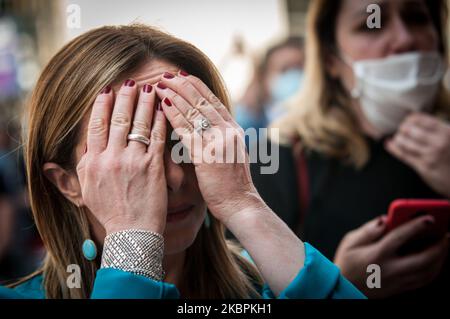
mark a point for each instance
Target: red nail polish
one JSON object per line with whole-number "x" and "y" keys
{"x": 184, "y": 73}
{"x": 167, "y": 101}
{"x": 162, "y": 85}
{"x": 147, "y": 88}
{"x": 106, "y": 90}
{"x": 130, "y": 83}
{"x": 168, "y": 75}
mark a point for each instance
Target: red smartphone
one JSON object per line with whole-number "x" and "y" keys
{"x": 404, "y": 210}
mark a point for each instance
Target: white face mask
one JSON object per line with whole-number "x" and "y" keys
{"x": 390, "y": 88}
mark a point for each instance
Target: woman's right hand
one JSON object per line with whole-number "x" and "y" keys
{"x": 123, "y": 182}
{"x": 370, "y": 244}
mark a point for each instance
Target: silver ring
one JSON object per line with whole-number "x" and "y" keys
{"x": 202, "y": 125}
{"x": 139, "y": 138}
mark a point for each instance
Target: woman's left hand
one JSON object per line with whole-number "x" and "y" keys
{"x": 226, "y": 186}
{"x": 423, "y": 142}
{"x": 218, "y": 152}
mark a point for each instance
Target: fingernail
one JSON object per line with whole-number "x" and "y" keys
{"x": 168, "y": 75}
{"x": 162, "y": 85}
{"x": 167, "y": 101}
{"x": 85, "y": 149}
{"x": 147, "y": 88}
{"x": 159, "y": 106}
{"x": 106, "y": 90}
{"x": 130, "y": 83}
{"x": 184, "y": 73}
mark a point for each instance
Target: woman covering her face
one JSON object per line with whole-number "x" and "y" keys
{"x": 109, "y": 195}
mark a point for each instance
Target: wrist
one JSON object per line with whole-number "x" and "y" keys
{"x": 122, "y": 224}
{"x": 249, "y": 211}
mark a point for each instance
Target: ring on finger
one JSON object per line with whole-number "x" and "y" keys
{"x": 202, "y": 125}
{"x": 139, "y": 138}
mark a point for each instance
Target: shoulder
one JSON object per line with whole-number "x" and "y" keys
{"x": 32, "y": 288}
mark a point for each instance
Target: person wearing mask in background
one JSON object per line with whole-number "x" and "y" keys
{"x": 371, "y": 126}
{"x": 277, "y": 77}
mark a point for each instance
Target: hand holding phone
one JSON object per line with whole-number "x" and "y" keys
{"x": 404, "y": 210}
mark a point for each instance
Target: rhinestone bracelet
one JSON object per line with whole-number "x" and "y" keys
{"x": 137, "y": 251}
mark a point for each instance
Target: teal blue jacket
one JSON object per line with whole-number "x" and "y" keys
{"x": 318, "y": 279}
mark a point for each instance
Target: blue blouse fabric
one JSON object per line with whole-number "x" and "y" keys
{"x": 318, "y": 279}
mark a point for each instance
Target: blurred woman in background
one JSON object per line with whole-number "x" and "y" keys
{"x": 371, "y": 126}
{"x": 277, "y": 77}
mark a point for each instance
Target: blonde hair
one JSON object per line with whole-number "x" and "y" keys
{"x": 61, "y": 99}
{"x": 320, "y": 115}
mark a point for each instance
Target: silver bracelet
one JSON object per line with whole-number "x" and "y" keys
{"x": 137, "y": 251}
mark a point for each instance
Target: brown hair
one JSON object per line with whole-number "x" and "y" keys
{"x": 321, "y": 115}
{"x": 63, "y": 96}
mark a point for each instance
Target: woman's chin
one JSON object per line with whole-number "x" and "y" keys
{"x": 178, "y": 243}
{"x": 178, "y": 239}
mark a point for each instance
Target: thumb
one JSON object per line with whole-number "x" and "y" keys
{"x": 368, "y": 233}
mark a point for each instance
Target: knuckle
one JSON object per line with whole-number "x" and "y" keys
{"x": 179, "y": 118}
{"x": 146, "y": 99}
{"x": 113, "y": 164}
{"x": 192, "y": 114}
{"x": 196, "y": 81}
{"x": 201, "y": 102}
{"x": 97, "y": 126}
{"x": 102, "y": 101}
{"x": 125, "y": 94}
{"x": 141, "y": 127}
{"x": 175, "y": 97}
{"x": 157, "y": 136}
{"x": 214, "y": 100}
{"x": 91, "y": 167}
{"x": 185, "y": 84}
{"x": 136, "y": 165}
{"x": 120, "y": 119}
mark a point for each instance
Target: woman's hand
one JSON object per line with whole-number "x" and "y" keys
{"x": 224, "y": 181}
{"x": 123, "y": 182}
{"x": 370, "y": 245}
{"x": 227, "y": 187}
{"x": 423, "y": 142}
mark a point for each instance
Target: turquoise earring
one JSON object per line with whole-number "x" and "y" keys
{"x": 207, "y": 220}
{"x": 89, "y": 249}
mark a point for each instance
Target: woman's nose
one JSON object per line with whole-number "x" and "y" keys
{"x": 175, "y": 176}
{"x": 403, "y": 39}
